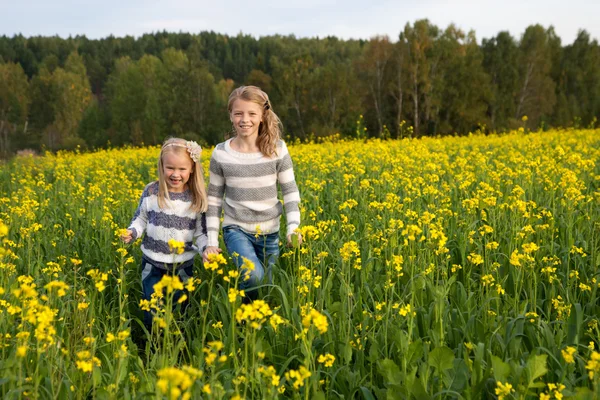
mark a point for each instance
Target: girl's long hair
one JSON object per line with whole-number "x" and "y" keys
{"x": 269, "y": 131}
{"x": 195, "y": 183}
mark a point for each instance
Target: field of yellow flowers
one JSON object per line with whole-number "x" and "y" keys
{"x": 460, "y": 267}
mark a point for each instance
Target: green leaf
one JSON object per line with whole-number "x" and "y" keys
{"x": 97, "y": 376}
{"x": 319, "y": 396}
{"x": 501, "y": 369}
{"x": 374, "y": 352}
{"x": 390, "y": 371}
{"x": 346, "y": 352}
{"x": 415, "y": 351}
{"x": 367, "y": 395}
{"x": 415, "y": 385}
{"x": 575, "y": 324}
{"x": 536, "y": 367}
{"x": 441, "y": 358}
{"x": 583, "y": 393}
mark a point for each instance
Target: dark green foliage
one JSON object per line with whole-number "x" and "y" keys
{"x": 176, "y": 84}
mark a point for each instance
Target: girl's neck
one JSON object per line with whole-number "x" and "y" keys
{"x": 244, "y": 145}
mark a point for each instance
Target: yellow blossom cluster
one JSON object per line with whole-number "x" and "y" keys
{"x": 99, "y": 278}
{"x": 312, "y": 317}
{"x": 175, "y": 383}
{"x": 255, "y": 314}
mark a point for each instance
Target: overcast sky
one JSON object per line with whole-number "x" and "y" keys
{"x": 303, "y": 18}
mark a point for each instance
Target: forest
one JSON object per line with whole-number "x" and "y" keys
{"x": 67, "y": 93}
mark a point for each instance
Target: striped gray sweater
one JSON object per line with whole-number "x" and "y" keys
{"x": 249, "y": 183}
{"x": 176, "y": 221}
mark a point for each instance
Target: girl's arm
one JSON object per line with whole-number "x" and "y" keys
{"x": 216, "y": 190}
{"x": 289, "y": 189}
{"x": 140, "y": 218}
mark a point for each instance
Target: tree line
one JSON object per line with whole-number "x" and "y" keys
{"x": 60, "y": 93}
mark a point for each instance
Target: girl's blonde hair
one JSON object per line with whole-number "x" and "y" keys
{"x": 196, "y": 181}
{"x": 269, "y": 131}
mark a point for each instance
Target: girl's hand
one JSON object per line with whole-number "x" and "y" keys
{"x": 210, "y": 250}
{"x": 127, "y": 237}
{"x": 290, "y": 239}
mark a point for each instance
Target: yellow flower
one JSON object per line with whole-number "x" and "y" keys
{"x": 568, "y": 353}
{"x": 593, "y": 364}
{"x": 326, "y": 359}
{"x": 503, "y": 389}
{"x": 270, "y": 372}
{"x": 233, "y": 294}
{"x": 176, "y": 247}
{"x": 99, "y": 278}
{"x": 86, "y": 362}
{"x": 21, "y": 351}
{"x": 475, "y": 258}
{"x": 255, "y": 313}
{"x": 299, "y": 376}
{"x": 349, "y": 249}
{"x": 406, "y": 310}
{"x": 214, "y": 262}
{"x": 487, "y": 280}
{"x": 531, "y": 316}
{"x": 3, "y": 230}
{"x": 317, "y": 319}
{"x": 61, "y": 287}
{"x": 175, "y": 383}
{"x": 168, "y": 283}
{"x": 275, "y": 321}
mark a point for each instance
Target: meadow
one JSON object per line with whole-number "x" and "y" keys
{"x": 455, "y": 267}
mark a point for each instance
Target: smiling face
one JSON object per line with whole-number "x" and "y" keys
{"x": 246, "y": 117}
{"x": 177, "y": 168}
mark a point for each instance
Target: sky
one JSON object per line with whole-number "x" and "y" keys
{"x": 350, "y": 19}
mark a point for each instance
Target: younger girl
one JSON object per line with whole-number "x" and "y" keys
{"x": 171, "y": 209}
{"x": 246, "y": 170}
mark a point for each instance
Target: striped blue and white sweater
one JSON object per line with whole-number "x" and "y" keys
{"x": 249, "y": 183}
{"x": 176, "y": 221}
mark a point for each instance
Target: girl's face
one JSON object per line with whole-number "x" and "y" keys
{"x": 177, "y": 168}
{"x": 246, "y": 117}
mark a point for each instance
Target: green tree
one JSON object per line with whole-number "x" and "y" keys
{"x": 373, "y": 67}
{"x": 420, "y": 39}
{"x": 261, "y": 79}
{"x": 536, "y": 96}
{"x": 93, "y": 125}
{"x": 464, "y": 85}
{"x": 154, "y": 122}
{"x": 579, "y": 82}
{"x": 59, "y": 99}
{"x": 335, "y": 102}
{"x": 501, "y": 63}
{"x": 14, "y": 104}
{"x": 126, "y": 94}
{"x": 292, "y": 79}
{"x": 73, "y": 95}
{"x": 399, "y": 78}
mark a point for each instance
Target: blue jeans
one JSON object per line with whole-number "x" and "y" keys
{"x": 151, "y": 275}
{"x": 261, "y": 250}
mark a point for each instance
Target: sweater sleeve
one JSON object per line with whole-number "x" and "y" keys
{"x": 289, "y": 189}
{"x": 140, "y": 218}
{"x": 216, "y": 190}
{"x": 200, "y": 236}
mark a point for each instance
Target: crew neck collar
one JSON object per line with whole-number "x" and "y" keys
{"x": 240, "y": 154}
